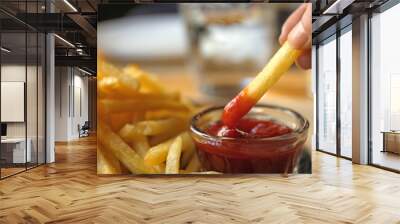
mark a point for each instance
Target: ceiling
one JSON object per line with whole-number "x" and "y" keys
{"x": 73, "y": 20}
{"x": 332, "y": 15}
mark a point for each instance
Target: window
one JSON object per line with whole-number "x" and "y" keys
{"x": 326, "y": 105}
{"x": 346, "y": 93}
{"x": 385, "y": 89}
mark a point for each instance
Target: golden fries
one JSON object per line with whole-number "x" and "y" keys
{"x": 118, "y": 120}
{"x": 142, "y": 124}
{"x": 155, "y": 140}
{"x": 106, "y": 162}
{"x": 141, "y": 145}
{"x": 194, "y": 164}
{"x": 117, "y": 87}
{"x": 150, "y": 82}
{"x": 115, "y": 106}
{"x": 122, "y": 151}
{"x": 164, "y": 114}
{"x": 155, "y": 127}
{"x": 158, "y": 154}
{"x": 187, "y": 155}
{"x": 174, "y": 155}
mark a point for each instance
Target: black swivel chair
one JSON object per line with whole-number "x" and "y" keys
{"x": 84, "y": 130}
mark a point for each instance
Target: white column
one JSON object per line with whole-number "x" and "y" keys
{"x": 50, "y": 92}
{"x": 50, "y": 99}
{"x": 360, "y": 90}
{"x": 314, "y": 94}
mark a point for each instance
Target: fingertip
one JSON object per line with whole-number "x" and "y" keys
{"x": 291, "y": 22}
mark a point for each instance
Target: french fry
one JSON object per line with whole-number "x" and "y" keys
{"x": 163, "y": 114}
{"x": 124, "y": 170}
{"x": 158, "y": 154}
{"x": 188, "y": 154}
{"x": 155, "y": 127}
{"x": 138, "y": 141}
{"x": 194, "y": 164}
{"x": 118, "y": 120}
{"x": 173, "y": 157}
{"x": 129, "y": 133}
{"x": 148, "y": 81}
{"x": 137, "y": 116}
{"x": 124, "y": 94}
{"x": 183, "y": 172}
{"x": 122, "y": 151}
{"x": 252, "y": 93}
{"x": 104, "y": 85}
{"x": 141, "y": 145}
{"x": 106, "y": 162}
{"x": 107, "y": 69}
{"x": 141, "y": 123}
{"x": 115, "y": 106}
{"x": 188, "y": 103}
{"x": 160, "y": 168}
{"x": 158, "y": 139}
{"x": 118, "y": 87}
{"x": 108, "y": 84}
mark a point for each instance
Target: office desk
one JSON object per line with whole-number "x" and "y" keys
{"x": 13, "y": 150}
{"x": 391, "y": 141}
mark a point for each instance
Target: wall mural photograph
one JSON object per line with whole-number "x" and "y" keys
{"x": 178, "y": 91}
{"x": 153, "y": 111}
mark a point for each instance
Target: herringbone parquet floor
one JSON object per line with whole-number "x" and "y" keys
{"x": 69, "y": 191}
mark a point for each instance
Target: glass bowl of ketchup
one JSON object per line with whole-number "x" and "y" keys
{"x": 268, "y": 139}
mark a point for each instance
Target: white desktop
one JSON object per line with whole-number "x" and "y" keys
{"x": 12, "y": 104}
{"x": 17, "y": 147}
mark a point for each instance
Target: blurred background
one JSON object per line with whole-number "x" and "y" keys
{"x": 221, "y": 46}
{"x": 207, "y": 51}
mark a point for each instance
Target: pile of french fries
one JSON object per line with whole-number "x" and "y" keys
{"x": 142, "y": 125}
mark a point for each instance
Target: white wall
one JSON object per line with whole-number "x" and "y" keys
{"x": 70, "y": 83}
{"x": 62, "y": 81}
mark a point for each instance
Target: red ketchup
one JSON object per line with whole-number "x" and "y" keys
{"x": 237, "y": 108}
{"x": 253, "y": 146}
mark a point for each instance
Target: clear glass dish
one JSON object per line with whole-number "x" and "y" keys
{"x": 278, "y": 154}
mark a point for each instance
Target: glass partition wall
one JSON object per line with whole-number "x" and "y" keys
{"x": 326, "y": 105}
{"x": 385, "y": 89}
{"x": 333, "y": 60}
{"x": 22, "y": 77}
{"x": 334, "y": 94}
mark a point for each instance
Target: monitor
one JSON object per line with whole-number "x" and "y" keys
{"x": 3, "y": 129}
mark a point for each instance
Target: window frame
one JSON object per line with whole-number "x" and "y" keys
{"x": 332, "y": 37}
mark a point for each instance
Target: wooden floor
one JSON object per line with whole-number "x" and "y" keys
{"x": 387, "y": 159}
{"x": 10, "y": 171}
{"x": 70, "y": 192}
